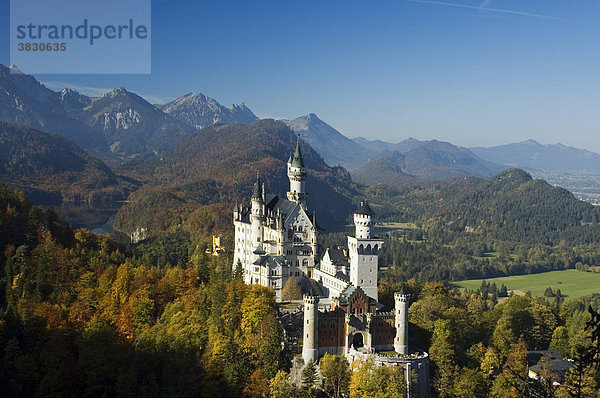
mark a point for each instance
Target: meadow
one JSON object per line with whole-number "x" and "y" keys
{"x": 572, "y": 283}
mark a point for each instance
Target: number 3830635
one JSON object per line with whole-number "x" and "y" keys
{"x": 42, "y": 46}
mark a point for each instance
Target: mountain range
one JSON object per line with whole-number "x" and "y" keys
{"x": 376, "y": 161}
{"x": 333, "y": 146}
{"x": 118, "y": 126}
{"x": 201, "y": 111}
{"x": 432, "y": 161}
{"x": 24, "y": 100}
{"x": 121, "y": 126}
{"x": 532, "y": 155}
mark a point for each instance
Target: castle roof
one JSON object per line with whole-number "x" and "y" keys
{"x": 270, "y": 261}
{"x": 275, "y": 203}
{"x": 351, "y": 292}
{"x": 337, "y": 256}
{"x": 297, "y": 160}
{"x": 364, "y": 209}
{"x": 257, "y": 191}
{"x": 259, "y": 250}
{"x": 343, "y": 277}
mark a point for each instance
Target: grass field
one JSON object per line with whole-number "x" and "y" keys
{"x": 571, "y": 283}
{"x": 403, "y": 225}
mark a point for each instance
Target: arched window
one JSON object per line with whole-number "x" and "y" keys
{"x": 361, "y": 249}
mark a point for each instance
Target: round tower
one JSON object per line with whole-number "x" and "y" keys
{"x": 363, "y": 221}
{"x": 401, "y": 322}
{"x": 257, "y": 217}
{"x": 297, "y": 174}
{"x": 310, "y": 347}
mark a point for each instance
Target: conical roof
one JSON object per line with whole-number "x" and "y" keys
{"x": 364, "y": 209}
{"x": 257, "y": 191}
{"x": 298, "y": 160}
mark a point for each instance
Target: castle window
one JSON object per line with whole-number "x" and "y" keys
{"x": 331, "y": 338}
{"x": 307, "y": 321}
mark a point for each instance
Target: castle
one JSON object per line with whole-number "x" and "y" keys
{"x": 276, "y": 239}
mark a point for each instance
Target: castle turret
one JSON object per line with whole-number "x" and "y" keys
{"x": 257, "y": 217}
{"x": 363, "y": 221}
{"x": 401, "y": 322}
{"x": 310, "y": 347}
{"x": 297, "y": 174}
{"x": 236, "y": 212}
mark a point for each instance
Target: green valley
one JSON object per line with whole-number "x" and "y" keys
{"x": 572, "y": 283}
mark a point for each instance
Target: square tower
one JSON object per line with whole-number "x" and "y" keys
{"x": 363, "y": 251}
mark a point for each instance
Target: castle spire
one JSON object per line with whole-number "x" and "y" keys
{"x": 258, "y": 188}
{"x": 298, "y": 160}
{"x": 297, "y": 174}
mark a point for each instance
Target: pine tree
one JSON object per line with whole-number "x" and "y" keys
{"x": 309, "y": 378}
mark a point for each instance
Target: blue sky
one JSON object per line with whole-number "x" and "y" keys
{"x": 473, "y": 73}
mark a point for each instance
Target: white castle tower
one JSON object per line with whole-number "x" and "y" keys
{"x": 257, "y": 217}
{"x": 297, "y": 174}
{"x": 401, "y": 322}
{"x": 363, "y": 250}
{"x": 310, "y": 343}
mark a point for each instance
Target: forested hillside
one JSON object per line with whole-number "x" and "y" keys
{"x": 473, "y": 228}
{"x": 52, "y": 169}
{"x": 200, "y": 179}
{"x": 509, "y": 206}
{"x": 81, "y": 315}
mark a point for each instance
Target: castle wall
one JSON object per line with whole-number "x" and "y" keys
{"x": 331, "y": 331}
{"x": 383, "y": 332}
